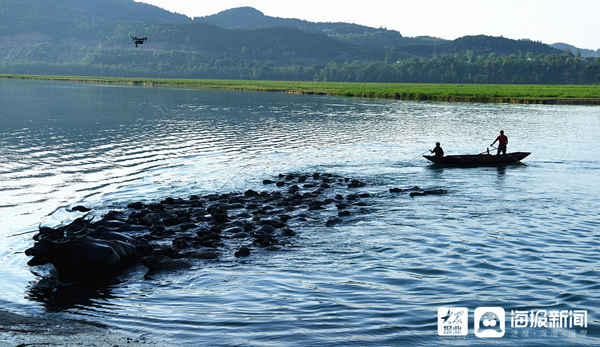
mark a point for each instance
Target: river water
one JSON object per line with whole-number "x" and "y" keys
{"x": 520, "y": 237}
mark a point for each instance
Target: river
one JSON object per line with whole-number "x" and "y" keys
{"x": 520, "y": 237}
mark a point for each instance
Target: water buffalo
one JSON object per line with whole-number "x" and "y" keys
{"x": 92, "y": 255}
{"x": 84, "y": 259}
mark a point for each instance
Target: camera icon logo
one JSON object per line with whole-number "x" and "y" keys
{"x": 490, "y": 322}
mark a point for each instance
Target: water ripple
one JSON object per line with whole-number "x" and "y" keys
{"x": 517, "y": 237}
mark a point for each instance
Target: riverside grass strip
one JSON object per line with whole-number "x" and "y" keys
{"x": 497, "y": 93}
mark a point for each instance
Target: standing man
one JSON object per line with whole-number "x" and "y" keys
{"x": 502, "y": 142}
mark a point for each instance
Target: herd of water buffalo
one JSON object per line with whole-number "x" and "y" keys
{"x": 172, "y": 233}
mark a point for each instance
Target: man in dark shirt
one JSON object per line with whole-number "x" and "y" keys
{"x": 439, "y": 152}
{"x": 502, "y": 142}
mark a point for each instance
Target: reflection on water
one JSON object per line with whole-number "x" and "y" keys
{"x": 59, "y": 297}
{"x": 519, "y": 237}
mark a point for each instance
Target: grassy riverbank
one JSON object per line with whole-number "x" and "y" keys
{"x": 531, "y": 94}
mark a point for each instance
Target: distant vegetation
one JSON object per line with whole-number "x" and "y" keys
{"x": 586, "y": 53}
{"x": 540, "y": 94}
{"x": 457, "y": 68}
{"x": 93, "y": 38}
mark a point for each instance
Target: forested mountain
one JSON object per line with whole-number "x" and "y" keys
{"x": 35, "y": 12}
{"x": 473, "y": 47}
{"x": 93, "y": 37}
{"x": 250, "y": 18}
{"x": 575, "y": 50}
{"x": 111, "y": 23}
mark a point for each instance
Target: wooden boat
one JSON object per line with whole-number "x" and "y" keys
{"x": 479, "y": 159}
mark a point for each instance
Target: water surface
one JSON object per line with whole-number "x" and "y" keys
{"x": 522, "y": 237}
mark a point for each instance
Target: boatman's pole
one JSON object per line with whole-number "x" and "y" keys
{"x": 511, "y": 157}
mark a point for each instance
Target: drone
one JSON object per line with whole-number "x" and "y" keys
{"x": 139, "y": 41}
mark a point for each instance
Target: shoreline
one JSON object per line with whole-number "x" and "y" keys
{"x": 516, "y": 94}
{"x": 20, "y": 330}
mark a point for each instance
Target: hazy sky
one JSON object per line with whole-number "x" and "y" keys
{"x": 576, "y": 22}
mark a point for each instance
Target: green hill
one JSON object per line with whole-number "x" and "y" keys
{"x": 250, "y": 18}
{"x": 482, "y": 44}
{"x": 93, "y": 37}
{"x": 111, "y": 23}
{"x": 241, "y": 31}
{"x": 23, "y": 15}
{"x": 587, "y": 53}
{"x": 32, "y": 12}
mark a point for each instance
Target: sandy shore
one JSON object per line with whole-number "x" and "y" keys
{"x": 20, "y": 331}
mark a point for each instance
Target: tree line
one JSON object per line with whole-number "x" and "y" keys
{"x": 523, "y": 68}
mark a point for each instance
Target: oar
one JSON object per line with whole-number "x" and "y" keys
{"x": 511, "y": 157}
{"x": 417, "y": 156}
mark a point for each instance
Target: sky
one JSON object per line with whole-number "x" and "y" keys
{"x": 575, "y": 22}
